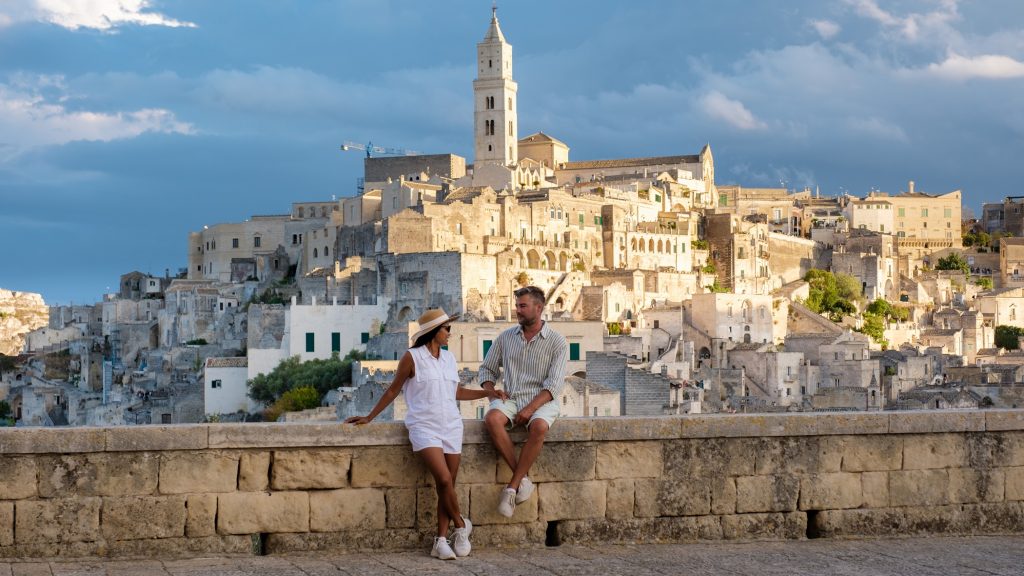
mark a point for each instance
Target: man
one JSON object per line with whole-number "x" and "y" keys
{"x": 534, "y": 360}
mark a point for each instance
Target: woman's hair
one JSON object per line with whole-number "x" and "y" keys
{"x": 422, "y": 340}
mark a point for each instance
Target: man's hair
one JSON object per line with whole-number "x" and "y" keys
{"x": 536, "y": 293}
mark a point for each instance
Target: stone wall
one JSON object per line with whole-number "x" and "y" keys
{"x": 249, "y": 488}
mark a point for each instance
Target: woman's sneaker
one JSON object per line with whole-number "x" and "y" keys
{"x": 525, "y": 490}
{"x": 507, "y": 503}
{"x": 460, "y": 538}
{"x": 442, "y": 549}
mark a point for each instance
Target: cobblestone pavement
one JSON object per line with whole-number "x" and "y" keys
{"x": 903, "y": 557}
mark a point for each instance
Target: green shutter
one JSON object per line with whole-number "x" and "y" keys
{"x": 581, "y": 217}
{"x": 309, "y": 341}
{"x": 335, "y": 342}
{"x": 574, "y": 351}
{"x": 364, "y": 337}
{"x": 487, "y": 346}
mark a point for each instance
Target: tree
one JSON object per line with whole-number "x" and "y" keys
{"x": 831, "y": 294}
{"x": 5, "y": 410}
{"x": 953, "y": 262}
{"x": 984, "y": 282}
{"x": 874, "y": 326}
{"x": 1008, "y": 337}
{"x": 7, "y": 363}
{"x": 302, "y": 398}
{"x": 716, "y": 288}
{"x": 322, "y": 375}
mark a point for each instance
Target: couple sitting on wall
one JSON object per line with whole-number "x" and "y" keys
{"x": 533, "y": 357}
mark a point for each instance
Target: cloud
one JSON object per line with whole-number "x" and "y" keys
{"x": 719, "y": 106}
{"x": 915, "y": 27}
{"x": 825, "y": 28}
{"x": 992, "y": 66}
{"x": 877, "y": 128}
{"x": 105, "y": 15}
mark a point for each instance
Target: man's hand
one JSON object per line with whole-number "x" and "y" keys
{"x": 493, "y": 394}
{"x": 523, "y": 416}
{"x": 357, "y": 420}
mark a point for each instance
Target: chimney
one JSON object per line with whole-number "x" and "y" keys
{"x": 910, "y": 187}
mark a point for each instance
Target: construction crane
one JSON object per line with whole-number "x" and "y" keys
{"x": 370, "y": 149}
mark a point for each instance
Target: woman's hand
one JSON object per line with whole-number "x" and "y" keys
{"x": 357, "y": 420}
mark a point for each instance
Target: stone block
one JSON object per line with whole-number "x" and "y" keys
{"x": 17, "y": 477}
{"x": 354, "y": 541}
{"x": 310, "y": 469}
{"x": 139, "y": 517}
{"x": 831, "y": 491}
{"x": 768, "y": 425}
{"x": 157, "y": 438}
{"x": 106, "y": 474}
{"x": 1015, "y": 483}
{"x": 401, "y": 507}
{"x": 306, "y": 434}
{"x": 870, "y": 453}
{"x": 645, "y": 530}
{"x": 347, "y": 509}
{"x": 863, "y": 522}
{"x": 723, "y": 496}
{"x": 1010, "y": 451}
{"x": 559, "y": 462}
{"x": 57, "y": 520}
{"x": 519, "y": 535}
{"x": 620, "y": 499}
{"x": 198, "y": 472}
{"x": 572, "y": 500}
{"x": 6, "y": 524}
{"x": 998, "y": 420}
{"x": 685, "y": 460}
{"x": 478, "y": 465}
{"x": 875, "y": 487}
{"x": 483, "y": 499}
{"x": 629, "y": 460}
{"x": 797, "y": 455}
{"x": 387, "y": 466}
{"x": 570, "y": 430}
{"x": 253, "y": 471}
{"x": 202, "y": 515}
{"x": 426, "y": 506}
{"x": 774, "y": 493}
{"x": 934, "y": 451}
{"x": 79, "y": 439}
{"x": 259, "y": 512}
{"x": 967, "y": 485}
{"x": 774, "y": 526}
{"x": 660, "y": 497}
{"x": 935, "y": 421}
{"x": 918, "y": 488}
{"x": 619, "y": 428}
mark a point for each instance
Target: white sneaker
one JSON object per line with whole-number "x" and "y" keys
{"x": 525, "y": 490}
{"x": 507, "y": 503}
{"x": 442, "y": 549}
{"x": 460, "y": 538}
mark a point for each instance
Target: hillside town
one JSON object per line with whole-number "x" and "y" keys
{"x": 677, "y": 294}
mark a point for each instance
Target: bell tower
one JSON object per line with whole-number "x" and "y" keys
{"x": 495, "y": 124}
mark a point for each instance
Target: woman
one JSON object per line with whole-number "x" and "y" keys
{"x": 431, "y": 381}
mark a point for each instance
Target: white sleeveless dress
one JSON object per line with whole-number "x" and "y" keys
{"x": 433, "y": 419}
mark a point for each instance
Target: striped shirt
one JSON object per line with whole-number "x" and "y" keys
{"x": 529, "y": 367}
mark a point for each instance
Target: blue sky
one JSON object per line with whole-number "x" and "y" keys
{"x": 124, "y": 124}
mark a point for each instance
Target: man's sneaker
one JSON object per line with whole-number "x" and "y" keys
{"x": 460, "y": 538}
{"x": 525, "y": 490}
{"x": 442, "y": 549}
{"x": 507, "y": 503}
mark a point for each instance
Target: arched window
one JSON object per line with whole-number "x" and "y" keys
{"x": 314, "y": 253}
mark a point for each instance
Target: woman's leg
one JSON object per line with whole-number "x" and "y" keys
{"x": 444, "y": 467}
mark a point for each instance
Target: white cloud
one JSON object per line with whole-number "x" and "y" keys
{"x": 721, "y": 107}
{"x": 916, "y": 27}
{"x": 825, "y": 28}
{"x": 993, "y": 66}
{"x": 103, "y": 15}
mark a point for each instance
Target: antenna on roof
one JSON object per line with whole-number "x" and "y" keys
{"x": 494, "y": 9}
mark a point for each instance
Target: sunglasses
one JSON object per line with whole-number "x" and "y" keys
{"x": 446, "y": 327}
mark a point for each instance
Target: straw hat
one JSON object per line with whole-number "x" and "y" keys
{"x": 431, "y": 319}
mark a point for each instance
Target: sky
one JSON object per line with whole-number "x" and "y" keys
{"x": 126, "y": 124}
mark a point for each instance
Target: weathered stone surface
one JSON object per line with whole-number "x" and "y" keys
{"x": 258, "y": 512}
{"x": 870, "y": 453}
{"x": 1009, "y": 451}
{"x": 401, "y": 507}
{"x": 483, "y": 500}
{"x": 861, "y": 522}
{"x": 426, "y": 507}
{"x": 918, "y": 488}
{"x": 797, "y": 455}
{"x": 351, "y": 509}
{"x": 51, "y": 440}
{"x": 57, "y": 520}
{"x": 349, "y": 540}
{"x": 559, "y": 462}
{"x": 305, "y": 435}
{"x": 572, "y": 500}
{"x": 253, "y": 471}
{"x": 969, "y": 486}
{"x": 6, "y": 523}
{"x": 519, "y": 535}
{"x": 391, "y": 466}
{"x": 17, "y": 477}
{"x": 1004, "y": 420}
{"x": 160, "y": 547}
{"x": 620, "y": 499}
{"x": 107, "y": 474}
{"x": 478, "y": 465}
{"x": 775, "y": 526}
{"x": 934, "y": 451}
{"x": 647, "y": 530}
{"x": 164, "y": 517}
{"x": 156, "y": 438}
{"x": 1015, "y": 483}
{"x": 723, "y": 496}
{"x": 629, "y": 460}
{"x": 875, "y": 488}
{"x": 775, "y": 493}
{"x": 933, "y": 421}
{"x": 202, "y": 515}
{"x": 198, "y": 472}
{"x": 636, "y": 428}
{"x": 570, "y": 430}
{"x": 764, "y": 425}
{"x": 658, "y": 497}
{"x": 310, "y": 469}
{"x": 685, "y": 460}
{"x": 831, "y": 491}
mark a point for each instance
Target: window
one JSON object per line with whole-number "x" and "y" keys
{"x": 487, "y": 347}
{"x": 510, "y": 132}
{"x": 924, "y": 212}
{"x": 947, "y": 212}
{"x": 581, "y": 218}
{"x": 723, "y": 199}
{"x": 565, "y": 400}
{"x": 234, "y": 242}
{"x": 510, "y": 103}
{"x": 256, "y": 242}
{"x": 574, "y": 351}
{"x": 335, "y": 342}
{"x": 458, "y": 227}
{"x": 479, "y": 412}
{"x": 309, "y": 342}
{"x": 902, "y": 212}
{"x": 364, "y": 337}
{"x": 315, "y": 253}
{"x": 164, "y": 418}
{"x": 215, "y": 384}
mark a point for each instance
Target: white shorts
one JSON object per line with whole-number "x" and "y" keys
{"x": 547, "y": 412}
{"x": 450, "y": 442}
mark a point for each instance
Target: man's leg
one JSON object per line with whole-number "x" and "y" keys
{"x": 495, "y": 420}
{"x": 530, "y": 451}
